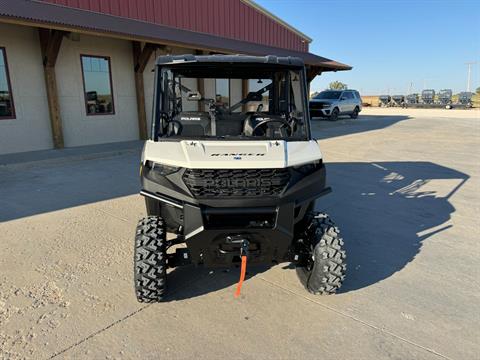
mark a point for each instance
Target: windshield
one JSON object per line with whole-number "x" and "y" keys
{"x": 328, "y": 95}
{"x": 251, "y": 103}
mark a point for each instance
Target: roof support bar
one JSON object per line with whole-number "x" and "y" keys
{"x": 50, "y": 43}
{"x": 200, "y": 86}
{"x": 244, "y": 92}
{"x": 140, "y": 61}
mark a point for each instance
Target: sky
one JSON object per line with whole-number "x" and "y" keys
{"x": 393, "y": 46}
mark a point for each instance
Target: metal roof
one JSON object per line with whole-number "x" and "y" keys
{"x": 30, "y": 12}
{"x": 277, "y": 19}
{"x": 233, "y": 19}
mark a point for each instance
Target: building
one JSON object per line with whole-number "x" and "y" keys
{"x": 78, "y": 72}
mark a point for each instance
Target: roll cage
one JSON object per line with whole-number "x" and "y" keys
{"x": 287, "y": 103}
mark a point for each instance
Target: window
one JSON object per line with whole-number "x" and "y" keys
{"x": 7, "y": 109}
{"x": 271, "y": 90}
{"x": 97, "y": 83}
{"x": 328, "y": 95}
{"x": 183, "y": 87}
{"x": 296, "y": 98}
{"x": 348, "y": 95}
{"x": 255, "y": 85}
{"x": 222, "y": 93}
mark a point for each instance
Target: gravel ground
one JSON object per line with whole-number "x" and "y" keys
{"x": 405, "y": 195}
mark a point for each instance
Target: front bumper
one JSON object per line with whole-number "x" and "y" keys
{"x": 320, "y": 112}
{"x": 214, "y": 244}
{"x": 209, "y": 224}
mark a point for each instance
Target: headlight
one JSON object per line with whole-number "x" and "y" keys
{"x": 309, "y": 168}
{"x": 161, "y": 169}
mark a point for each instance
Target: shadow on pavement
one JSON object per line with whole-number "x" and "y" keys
{"x": 385, "y": 210}
{"x": 190, "y": 281}
{"x": 324, "y": 129}
{"x": 28, "y": 190}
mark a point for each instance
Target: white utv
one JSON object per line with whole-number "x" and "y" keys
{"x": 233, "y": 180}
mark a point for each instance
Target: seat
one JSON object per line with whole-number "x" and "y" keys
{"x": 191, "y": 123}
{"x": 230, "y": 124}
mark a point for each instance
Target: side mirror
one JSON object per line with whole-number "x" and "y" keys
{"x": 194, "y": 96}
{"x": 343, "y": 98}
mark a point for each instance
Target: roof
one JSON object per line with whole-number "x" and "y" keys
{"x": 234, "y": 19}
{"x": 269, "y": 59}
{"x": 28, "y": 12}
{"x": 277, "y": 19}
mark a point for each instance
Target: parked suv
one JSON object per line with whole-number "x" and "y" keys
{"x": 332, "y": 103}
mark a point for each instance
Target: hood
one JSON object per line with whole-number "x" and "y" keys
{"x": 321, "y": 101}
{"x": 246, "y": 154}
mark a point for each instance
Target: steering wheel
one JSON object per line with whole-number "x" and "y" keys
{"x": 284, "y": 124}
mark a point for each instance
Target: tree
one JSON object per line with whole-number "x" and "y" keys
{"x": 337, "y": 85}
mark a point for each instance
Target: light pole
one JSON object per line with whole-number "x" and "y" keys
{"x": 469, "y": 72}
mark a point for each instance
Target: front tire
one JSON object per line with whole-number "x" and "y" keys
{"x": 150, "y": 267}
{"x": 324, "y": 270}
{"x": 334, "y": 115}
{"x": 355, "y": 112}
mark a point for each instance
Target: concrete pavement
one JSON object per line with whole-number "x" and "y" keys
{"x": 405, "y": 196}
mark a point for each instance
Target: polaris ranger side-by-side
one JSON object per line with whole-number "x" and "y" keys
{"x": 234, "y": 180}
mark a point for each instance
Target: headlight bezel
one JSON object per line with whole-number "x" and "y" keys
{"x": 161, "y": 169}
{"x": 309, "y": 168}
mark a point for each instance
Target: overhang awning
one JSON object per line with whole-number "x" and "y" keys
{"x": 42, "y": 14}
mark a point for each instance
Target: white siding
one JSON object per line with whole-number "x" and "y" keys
{"x": 236, "y": 92}
{"x": 78, "y": 128}
{"x": 209, "y": 85}
{"x": 31, "y": 128}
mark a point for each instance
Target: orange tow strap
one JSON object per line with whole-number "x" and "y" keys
{"x": 243, "y": 270}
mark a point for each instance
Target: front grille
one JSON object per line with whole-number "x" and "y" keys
{"x": 236, "y": 182}
{"x": 316, "y": 105}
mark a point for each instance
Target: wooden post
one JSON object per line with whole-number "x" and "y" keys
{"x": 50, "y": 42}
{"x": 201, "y": 90}
{"x": 140, "y": 61}
{"x": 312, "y": 72}
{"x": 54, "y": 107}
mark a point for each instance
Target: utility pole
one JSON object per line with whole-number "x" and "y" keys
{"x": 469, "y": 72}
